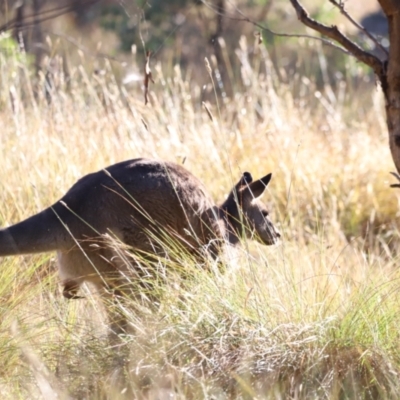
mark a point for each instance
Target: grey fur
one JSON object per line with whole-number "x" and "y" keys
{"x": 137, "y": 201}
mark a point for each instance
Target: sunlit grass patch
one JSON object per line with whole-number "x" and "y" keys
{"x": 315, "y": 317}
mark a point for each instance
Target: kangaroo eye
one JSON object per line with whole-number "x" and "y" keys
{"x": 265, "y": 213}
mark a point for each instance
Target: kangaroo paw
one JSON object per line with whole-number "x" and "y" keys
{"x": 70, "y": 291}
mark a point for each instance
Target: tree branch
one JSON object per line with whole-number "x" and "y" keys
{"x": 335, "y": 34}
{"x": 297, "y": 35}
{"x": 245, "y": 18}
{"x": 340, "y": 6}
{"x": 45, "y": 15}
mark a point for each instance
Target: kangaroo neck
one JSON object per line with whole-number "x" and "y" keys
{"x": 227, "y": 220}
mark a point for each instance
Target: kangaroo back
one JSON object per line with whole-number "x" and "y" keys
{"x": 128, "y": 199}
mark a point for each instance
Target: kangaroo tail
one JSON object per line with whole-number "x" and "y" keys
{"x": 40, "y": 233}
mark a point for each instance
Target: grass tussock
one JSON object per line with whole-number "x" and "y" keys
{"x": 316, "y": 317}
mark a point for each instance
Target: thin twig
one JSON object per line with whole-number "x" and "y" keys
{"x": 334, "y": 33}
{"x": 340, "y": 6}
{"x": 347, "y": 46}
{"x": 44, "y": 15}
{"x": 296, "y": 35}
{"x": 245, "y": 18}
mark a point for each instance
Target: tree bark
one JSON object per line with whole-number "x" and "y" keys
{"x": 37, "y": 35}
{"x": 390, "y": 80}
{"x": 214, "y": 41}
{"x": 19, "y": 20}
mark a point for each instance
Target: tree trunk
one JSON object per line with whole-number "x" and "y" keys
{"x": 19, "y": 22}
{"x": 391, "y": 79}
{"x": 37, "y": 36}
{"x": 214, "y": 41}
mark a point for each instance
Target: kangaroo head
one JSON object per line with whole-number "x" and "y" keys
{"x": 246, "y": 215}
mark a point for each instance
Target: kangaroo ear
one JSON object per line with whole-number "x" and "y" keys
{"x": 256, "y": 189}
{"x": 244, "y": 180}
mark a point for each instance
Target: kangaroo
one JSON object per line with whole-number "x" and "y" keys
{"x": 137, "y": 201}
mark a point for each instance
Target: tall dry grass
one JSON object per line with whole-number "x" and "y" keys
{"x": 316, "y": 317}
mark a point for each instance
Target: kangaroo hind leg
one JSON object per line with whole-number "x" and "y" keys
{"x": 74, "y": 268}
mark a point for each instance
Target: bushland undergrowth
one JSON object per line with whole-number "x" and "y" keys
{"x": 315, "y": 317}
